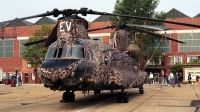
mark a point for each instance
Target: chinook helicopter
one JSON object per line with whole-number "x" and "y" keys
{"x": 74, "y": 62}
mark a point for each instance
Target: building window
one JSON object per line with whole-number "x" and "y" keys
{"x": 193, "y": 59}
{"x": 164, "y": 46}
{"x": 6, "y": 48}
{"x": 21, "y": 47}
{"x": 152, "y": 62}
{"x": 97, "y": 38}
{"x": 175, "y": 60}
{"x": 192, "y": 40}
{"x": 28, "y": 64}
{"x": 33, "y": 76}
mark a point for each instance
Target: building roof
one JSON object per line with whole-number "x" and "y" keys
{"x": 174, "y": 13}
{"x": 198, "y": 15}
{"x": 45, "y": 20}
{"x": 102, "y": 18}
{"x": 19, "y": 23}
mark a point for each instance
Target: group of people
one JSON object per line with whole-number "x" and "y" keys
{"x": 176, "y": 79}
{"x": 171, "y": 79}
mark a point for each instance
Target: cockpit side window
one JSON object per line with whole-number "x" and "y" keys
{"x": 50, "y": 53}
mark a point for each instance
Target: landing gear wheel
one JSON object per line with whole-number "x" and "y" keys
{"x": 119, "y": 97}
{"x": 64, "y": 97}
{"x": 71, "y": 97}
{"x": 111, "y": 91}
{"x": 125, "y": 97}
{"x": 68, "y": 97}
{"x": 98, "y": 91}
{"x": 141, "y": 90}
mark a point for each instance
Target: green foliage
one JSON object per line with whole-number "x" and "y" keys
{"x": 142, "y": 8}
{"x": 35, "y": 54}
{"x": 176, "y": 68}
{"x": 156, "y": 55}
{"x": 193, "y": 62}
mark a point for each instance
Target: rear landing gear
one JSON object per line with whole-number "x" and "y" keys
{"x": 68, "y": 97}
{"x": 97, "y": 92}
{"x": 141, "y": 90}
{"x": 122, "y": 96}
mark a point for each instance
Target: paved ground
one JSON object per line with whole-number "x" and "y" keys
{"x": 36, "y": 98}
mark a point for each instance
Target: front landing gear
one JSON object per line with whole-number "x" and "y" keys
{"x": 122, "y": 96}
{"x": 68, "y": 97}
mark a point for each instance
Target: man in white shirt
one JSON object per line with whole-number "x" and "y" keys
{"x": 171, "y": 79}
{"x": 151, "y": 78}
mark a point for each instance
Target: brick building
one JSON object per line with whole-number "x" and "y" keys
{"x": 14, "y": 35}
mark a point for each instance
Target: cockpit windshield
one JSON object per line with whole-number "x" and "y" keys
{"x": 74, "y": 51}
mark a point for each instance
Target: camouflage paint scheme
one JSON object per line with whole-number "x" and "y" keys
{"x": 101, "y": 68}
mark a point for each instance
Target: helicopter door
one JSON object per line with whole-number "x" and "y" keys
{"x": 89, "y": 61}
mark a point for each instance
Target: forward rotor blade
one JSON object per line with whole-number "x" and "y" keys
{"x": 144, "y": 18}
{"x": 48, "y": 41}
{"x": 29, "y": 17}
{"x": 36, "y": 42}
{"x": 150, "y": 26}
{"x": 85, "y": 11}
{"x": 52, "y": 37}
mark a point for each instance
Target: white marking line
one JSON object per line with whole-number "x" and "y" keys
{"x": 95, "y": 105}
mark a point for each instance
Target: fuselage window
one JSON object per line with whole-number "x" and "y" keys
{"x": 89, "y": 55}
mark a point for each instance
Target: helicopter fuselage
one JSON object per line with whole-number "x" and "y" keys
{"x": 89, "y": 65}
{"x": 75, "y": 62}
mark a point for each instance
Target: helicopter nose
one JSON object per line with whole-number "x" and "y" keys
{"x": 54, "y": 70}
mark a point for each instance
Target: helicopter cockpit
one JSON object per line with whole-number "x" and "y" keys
{"x": 74, "y": 51}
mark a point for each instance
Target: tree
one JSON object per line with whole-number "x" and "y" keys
{"x": 143, "y": 8}
{"x": 35, "y": 54}
{"x": 176, "y": 68}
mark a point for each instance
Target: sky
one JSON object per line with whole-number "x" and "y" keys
{"x": 11, "y": 9}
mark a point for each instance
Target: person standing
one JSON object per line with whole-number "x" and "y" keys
{"x": 171, "y": 79}
{"x": 189, "y": 78}
{"x": 19, "y": 79}
{"x": 164, "y": 80}
{"x": 181, "y": 78}
{"x": 151, "y": 78}
{"x": 177, "y": 81}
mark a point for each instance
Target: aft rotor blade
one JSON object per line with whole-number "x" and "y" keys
{"x": 102, "y": 28}
{"x": 158, "y": 35}
{"x": 150, "y": 26}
